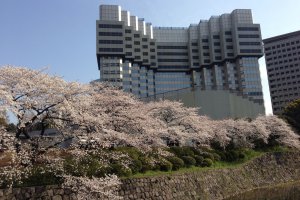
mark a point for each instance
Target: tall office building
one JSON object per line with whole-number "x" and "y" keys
{"x": 217, "y": 54}
{"x": 282, "y": 54}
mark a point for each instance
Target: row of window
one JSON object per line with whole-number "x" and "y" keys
{"x": 172, "y": 53}
{"x": 110, "y": 34}
{"x": 172, "y": 67}
{"x": 110, "y": 41}
{"x": 283, "y": 50}
{"x": 172, "y": 47}
{"x": 250, "y": 43}
{"x": 283, "y": 45}
{"x": 250, "y": 51}
{"x": 173, "y": 60}
{"x": 249, "y": 36}
{"x": 248, "y": 29}
{"x": 110, "y": 26}
{"x": 110, "y": 50}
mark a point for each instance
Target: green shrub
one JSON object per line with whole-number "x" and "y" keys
{"x": 146, "y": 164}
{"x": 132, "y": 152}
{"x": 119, "y": 169}
{"x": 40, "y": 176}
{"x": 232, "y": 155}
{"x": 216, "y": 156}
{"x": 165, "y": 165}
{"x": 207, "y": 162}
{"x": 199, "y": 160}
{"x": 176, "y": 162}
{"x": 87, "y": 166}
{"x": 235, "y": 155}
{"x": 188, "y": 161}
{"x": 136, "y": 166}
{"x": 207, "y": 155}
{"x": 182, "y": 151}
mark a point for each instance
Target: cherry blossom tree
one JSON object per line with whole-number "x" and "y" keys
{"x": 99, "y": 116}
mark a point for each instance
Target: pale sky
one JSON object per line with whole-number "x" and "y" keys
{"x": 61, "y": 34}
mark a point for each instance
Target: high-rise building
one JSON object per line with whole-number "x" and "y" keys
{"x": 282, "y": 54}
{"x": 217, "y": 54}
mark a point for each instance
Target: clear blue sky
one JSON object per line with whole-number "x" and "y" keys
{"x": 60, "y": 34}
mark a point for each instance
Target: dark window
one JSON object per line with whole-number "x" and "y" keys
{"x": 250, "y": 50}
{"x": 247, "y": 28}
{"x": 136, "y": 35}
{"x": 110, "y": 50}
{"x": 229, "y": 47}
{"x": 127, "y": 31}
{"x": 206, "y": 61}
{"x": 248, "y": 36}
{"x": 216, "y": 37}
{"x": 152, "y": 43}
{"x": 110, "y": 26}
{"x": 128, "y": 54}
{"x": 137, "y": 57}
{"x": 145, "y": 54}
{"x": 172, "y": 53}
{"x": 195, "y": 50}
{"x": 204, "y": 40}
{"x": 205, "y": 54}
{"x": 110, "y": 34}
{"x": 128, "y": 46}
{"x": 230, "y": 54}
{"x": 145, "y": 46}
{"x": 227, "y": 32}
{"x": 218, "y": 58}
{"x": 173, "y": 60}
{"x": 144, "y": 39}
{"x": 128, "y": 38}
{"x": 137, "y": 43}
{"x": 217, "y": 50}
{"x": 172, "y": 47}
{"x": 152, "y": 57}
{"x": 196, "y": 64}
{"x": 137, "y": 50}
{"x": 250, "y": 43}
{"x": 110, "y": 42}
{"x": 152, "y": 50}
{"x": 205, "y": 47}
{"x": 172, "y": 67}
{"x": 228, "y": 40}
{"x": 217, "y": 43}
{"x": 195, "y": 57}
{"x": 194, "y": 44}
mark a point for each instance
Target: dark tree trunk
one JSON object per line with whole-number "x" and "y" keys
{"x": 21, "y": 131}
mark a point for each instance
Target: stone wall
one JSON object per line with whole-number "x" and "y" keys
{"x": 50, "y": 192}
{"x": 268, "y": 170}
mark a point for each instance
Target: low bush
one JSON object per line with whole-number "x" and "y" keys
{"x": 199, "y": 160}
{"x": 182, "y": 151}
{"x": 176, "y": 162}
{"x": 119, "y": 169}
{"x": 216, "y": 156}
{"x": 146, "y": 164}
{"x": 188, "y": 161}
{"x": 40, "y": 176}
{"x": 136, "y": 166}
{"x": 207, "y": 155}
{"x": 165, "y": 166}
{"x": 207, "y": 162}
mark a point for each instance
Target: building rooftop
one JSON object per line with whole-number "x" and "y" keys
{"x": 281, "y": 37}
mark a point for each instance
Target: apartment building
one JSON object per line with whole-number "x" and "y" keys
{"x": 217, "y": 54}
{"x": 282, "y": 54}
